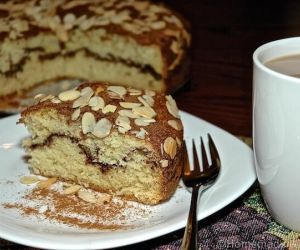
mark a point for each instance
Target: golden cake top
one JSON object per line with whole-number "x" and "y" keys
{"x": 99, "y": 109}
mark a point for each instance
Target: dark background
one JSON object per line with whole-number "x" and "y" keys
{"x": 224, "y": 37}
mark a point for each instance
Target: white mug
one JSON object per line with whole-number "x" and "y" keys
{"x": 276, "y": 132}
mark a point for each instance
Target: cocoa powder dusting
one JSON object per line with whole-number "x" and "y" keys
{"x": 52, "y": 205}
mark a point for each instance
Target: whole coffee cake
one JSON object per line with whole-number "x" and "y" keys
{"x": 136, "y": 43}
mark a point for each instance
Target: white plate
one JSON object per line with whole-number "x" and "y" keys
{"x": 236, "y": 177}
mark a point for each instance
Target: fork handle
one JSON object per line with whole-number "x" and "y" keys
{"x": 189, "y": 241}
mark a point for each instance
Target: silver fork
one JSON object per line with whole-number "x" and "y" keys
{"x": 198, "y": 180}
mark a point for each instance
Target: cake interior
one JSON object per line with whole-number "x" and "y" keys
{"x": 118, "y": 164}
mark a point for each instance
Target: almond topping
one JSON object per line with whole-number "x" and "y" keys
{"x": 149, "y": 99}
{"x": 29, "y": 179}
{"x": 102, "y": 128}
{"x": 75, "y": 114}
{"x": 39, "y": 96}
{"x": 141, "y": 99}
{"x": 143, "y": 121}
{"x": 134, "y": 92}
{"x": 119, "y": 90}
{"x": 109, "y": 108}
{"x": 140, "y": 134}
{"x": 84, "y": 99}
{"x": 87, "y": 91}
{"x": 149, "y": 92}
{"x": 88, "y": 122}
{"x": 172, "y": 106}
{"x": 46, "y": 183}
{"x": 99, "y": 103}
{"x": 158, "y": 25}
{"x": 129, "y": 105}
{"x": 87, "y": 196}
{"x": 123, "y": 121}
{"x": 72, "y": 189}
{"x": 128, "y": 113}
{"x": 69, "y": 95}
{"x": 55, "y": 100}
{"x": 48, "y": 97}
{"x": 170, "y": 147}
{"x": 94, "y": 101}
{"x": 178, "y": 141}
{"x": 164, "y": 163}
{"x": 144, "y": 111}
{"x": 175, "y": 124}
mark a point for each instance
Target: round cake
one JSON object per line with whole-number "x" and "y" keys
{"x": 137, "y": 43}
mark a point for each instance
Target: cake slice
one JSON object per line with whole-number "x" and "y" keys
{"x": 113, "y": 139}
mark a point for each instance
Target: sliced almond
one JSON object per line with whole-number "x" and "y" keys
{"x": 129, "y": 105}
{"x": 149, "y": 92}
{"x": 119, "y": 90}
{"x": 122, "y": 130}
{"x": 162, "y": 149}
{"x": 143, "y": 101}
{"x": 176, "y": 124}
{"x": 158, "y": 25}
{"x": 75, "y": 114}
{"x": 144, "y": 111}
{"x": 123, "y": 121}
{"x": 164, "y": 163}
{"x": 100, "y": 103}
{"x": 87, "y": 196}
{"x": 141, "y": 122}
{"x": 31, "y": 179}
{"x": 39, "y": 96}
{"x": 113, "y": 95}
{"x": 149, "y": 99}
{"x": 46, "y": 183}
{"x": 72, "y": 189}
{"x": 87, "y": 91}
{"x": 94, "y": 101}
{"x": 88, "y": 122}
{"x": 55, "y": 100}
{"x": 102, "y": 128}
{"x": 172, "y": 106}
{"x": 109, "y": 109}
{"x": 83, "y": 100}
{"x": 48, "y": 97}
{"x": 140, "y": 134}
{"x": 128, "y": 113}
{"x": 69, "y": 95}
{"x": 134, "y": 91}
{"x": 170, "y": 147}
{"x": 179, "y": 143}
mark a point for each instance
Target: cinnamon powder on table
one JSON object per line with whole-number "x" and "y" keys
{"x": 56, "y": 207}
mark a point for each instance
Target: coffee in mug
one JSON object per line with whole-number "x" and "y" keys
{"x": 288, "y": 65}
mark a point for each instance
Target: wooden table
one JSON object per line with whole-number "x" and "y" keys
{"x": 225, "y": 35}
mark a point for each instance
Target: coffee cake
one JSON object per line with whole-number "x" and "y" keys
{"x": 118, "y": 140}
{"x": 136, "y": 43}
